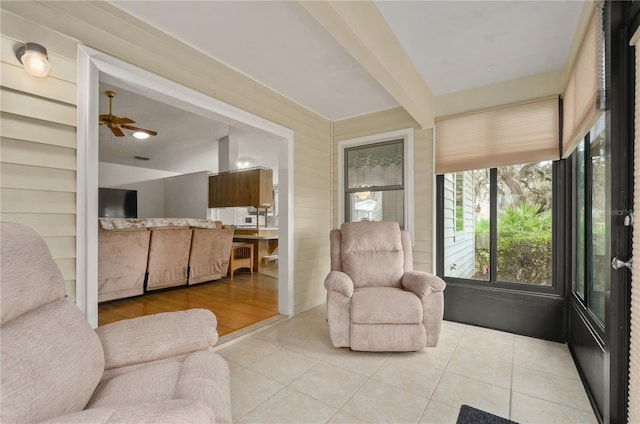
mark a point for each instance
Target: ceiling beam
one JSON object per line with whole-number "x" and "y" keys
{"x": 363, "y": 32}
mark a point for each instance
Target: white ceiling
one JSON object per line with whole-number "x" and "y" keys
{"x": 455, "y": 45}
{"x": 186, "y": 142}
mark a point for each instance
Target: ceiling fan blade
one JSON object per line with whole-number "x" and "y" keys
{"x": 129, "y": 127}
{"x": 117, "y": 131}
{"x": 123, "y": 120}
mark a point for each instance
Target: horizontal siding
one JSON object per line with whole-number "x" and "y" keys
{"x": 37, "y": 201}
{"x": 92, "y": 24}
{"x": 386, "y": 121}
{"x": 29, "y": 177}
{"x": 37, "y": 154}
{"x": 62, "y": 247}
{"x": 46, "y": 224}
{"x": 29, "y": 129}
{"x": 25, "y": 104}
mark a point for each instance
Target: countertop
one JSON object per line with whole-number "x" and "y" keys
{"x": 242, "y": 236}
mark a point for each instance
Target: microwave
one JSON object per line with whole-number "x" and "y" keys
{"x": 251, "y": 220}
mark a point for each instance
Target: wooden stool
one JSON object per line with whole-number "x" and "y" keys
{"x": 241, "y": 257}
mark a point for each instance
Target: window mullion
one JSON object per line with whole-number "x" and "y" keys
{"x": 493, "y": 224}
{"x": 588, "y": 218}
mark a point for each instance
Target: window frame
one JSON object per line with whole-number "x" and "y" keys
{"x": 583, "y": 299}
{"x": 559, "y": 218}
{"x": 407, "y": 136}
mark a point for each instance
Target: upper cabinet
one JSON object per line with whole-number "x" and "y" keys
{"x": 250, "y": 187}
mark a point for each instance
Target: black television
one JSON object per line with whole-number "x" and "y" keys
{"x": 117, "y": 203}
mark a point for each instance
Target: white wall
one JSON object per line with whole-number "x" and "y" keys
{"x": 187, "y": 196}
{"x": 112, "y": 175}
{"x": 148, "y": 182}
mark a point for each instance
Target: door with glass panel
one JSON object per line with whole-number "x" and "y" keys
{"x": 602, "y": 224}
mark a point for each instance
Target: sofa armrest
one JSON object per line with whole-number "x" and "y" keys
{"x": 158, "y": 336}
{"x": 422, "y": 283}
{"x": 340, "y": 282}
{"x": 167, "y": 412}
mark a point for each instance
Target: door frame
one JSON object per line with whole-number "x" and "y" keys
{"x": 91, "y": 65}
{"x": 602, "y": 356}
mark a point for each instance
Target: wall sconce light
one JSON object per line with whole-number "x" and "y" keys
{"x": 34, "y": 59}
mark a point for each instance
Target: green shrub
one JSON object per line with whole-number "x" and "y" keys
{"x": 524, "y": 245}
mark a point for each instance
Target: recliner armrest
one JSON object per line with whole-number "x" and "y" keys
{"x": 159, "y": 336}
{"x": 340, "y": 282}
{"x": 422, "y": 283}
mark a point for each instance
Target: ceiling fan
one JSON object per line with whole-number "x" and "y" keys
{"x": 115, "y": 123}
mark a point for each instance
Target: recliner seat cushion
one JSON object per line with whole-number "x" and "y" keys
{"x": 385, "y": 305}
{"x": 372, "y": 258}
{"x": 200, "y": 376}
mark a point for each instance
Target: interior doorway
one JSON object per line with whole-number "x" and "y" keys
{"x": 93, "y": 67}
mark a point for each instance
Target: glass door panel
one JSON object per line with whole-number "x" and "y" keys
{"x": 599, "y": 256}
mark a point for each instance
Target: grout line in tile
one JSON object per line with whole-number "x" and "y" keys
{"x": 556, "y": 403}
{"x": 578, "y": 380}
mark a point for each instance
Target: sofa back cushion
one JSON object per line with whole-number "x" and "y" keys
{"x": 372, "y": 254}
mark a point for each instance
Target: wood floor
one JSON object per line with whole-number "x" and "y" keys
{"x": 238, "y": 303}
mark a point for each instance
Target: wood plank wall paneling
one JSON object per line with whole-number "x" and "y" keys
{"x": 386, "y": 121}
{"x": 38, "y": 153}
{"x": 62, "y": 25}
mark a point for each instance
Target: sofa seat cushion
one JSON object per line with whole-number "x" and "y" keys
{"x": 201, "y": 376}
{"x": 385, "y": 305}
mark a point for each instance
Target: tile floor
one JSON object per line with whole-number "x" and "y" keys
{"x": 290, "y": 373}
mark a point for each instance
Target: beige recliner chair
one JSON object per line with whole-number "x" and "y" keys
{"x": 375, "y": 301}
{"x": 54, "y": 367}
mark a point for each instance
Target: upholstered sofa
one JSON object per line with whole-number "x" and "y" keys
{"x": 173, "y": 252}
{"x": 55, "y": 368}
{"x": 375, "y": 300}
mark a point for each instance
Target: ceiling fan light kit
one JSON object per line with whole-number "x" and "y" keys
{"x": 141, "y": 135}
{"x": 116, "y": 123}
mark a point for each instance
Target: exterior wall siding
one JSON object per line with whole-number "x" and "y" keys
{"x": 61, "y": 26}
{"x": 386, "y": 121}
{"x": 37, "y": 153}
{"x": 459, "y": 245}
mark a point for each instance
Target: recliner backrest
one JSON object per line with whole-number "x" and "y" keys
{"x": 51, "y": 359}
{"x": 372, "y": 253}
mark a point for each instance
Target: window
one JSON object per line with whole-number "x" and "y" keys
{"x": 591, "y": 217}
{"x": 506, "y": 230}
{"x": 375, "y": 182}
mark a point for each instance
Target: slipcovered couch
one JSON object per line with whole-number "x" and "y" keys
{"x": 55, "y": 368}
{"x": 140, "y": 255}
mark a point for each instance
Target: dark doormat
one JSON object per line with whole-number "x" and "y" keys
{"x": 470, "y": 415}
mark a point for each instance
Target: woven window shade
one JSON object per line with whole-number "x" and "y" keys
{"x": 634, "y": 348}
{"x": 507, "y": 135}
{"x": 582, "y": 96}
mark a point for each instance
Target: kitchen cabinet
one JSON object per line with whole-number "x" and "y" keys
{"x": 250, "y": 187}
